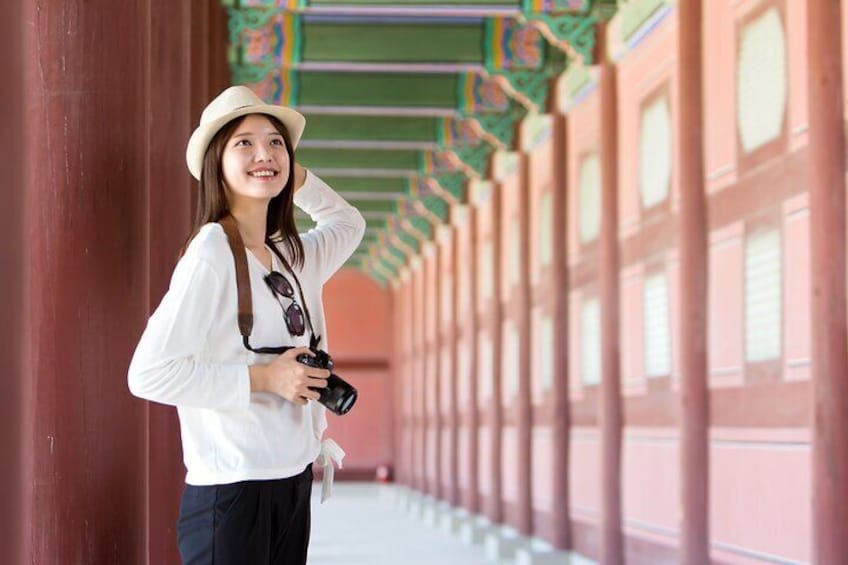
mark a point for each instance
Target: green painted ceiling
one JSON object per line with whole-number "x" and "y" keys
{"x": 405, "y": 103}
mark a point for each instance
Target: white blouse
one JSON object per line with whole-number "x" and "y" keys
{"x": 191, "y": 353}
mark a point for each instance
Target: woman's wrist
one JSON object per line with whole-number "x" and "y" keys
{"x": 258, "y": 378}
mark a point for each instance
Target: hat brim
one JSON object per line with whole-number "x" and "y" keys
{"x": 202, "y": 136}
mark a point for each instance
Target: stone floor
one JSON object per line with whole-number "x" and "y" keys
{"x": 369, "y": 524}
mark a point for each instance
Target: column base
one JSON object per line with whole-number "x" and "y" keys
{"x": 474, "y": 529}
{"x": 530, "y": 556}
{"x": 503, "y": 543}
{"x": 429, "y": 510}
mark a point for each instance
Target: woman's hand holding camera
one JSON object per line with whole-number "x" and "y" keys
{"x": 288, "y": 378}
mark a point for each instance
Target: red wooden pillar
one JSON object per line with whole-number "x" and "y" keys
{"x": 612, "y": 550}
{"x": 525, "y": 402}
{"x": 434, "y": 356}
{"x": 496, "y": 419}
{"x": 827, "y": 239}
{"x": 418, "y": 465}
{"x": 87, "y": 181}
{"x": 561, "y": 405}
{"x": 472, "y": 327}
{"x": 13, "y": 544}
{"x": 694, "y": 446}
{"x": 172, "y": 190}
{"x": 453, "y": 381}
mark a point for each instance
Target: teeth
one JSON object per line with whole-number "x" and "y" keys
{"x": 263, "y": 174}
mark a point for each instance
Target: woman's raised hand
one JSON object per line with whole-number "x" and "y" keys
{"x": 285, "y": 376}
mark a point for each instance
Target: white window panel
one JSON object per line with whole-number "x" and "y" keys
{"x": 655, "y": 153}
{"x": 485, "y": 271}
{"x": 546, "y": 219}
{"x": 484, "y": 367}
{"x": 546, "y": 353}
{"x": 657, "y": 330}
{"x": 762, "y": 296}
{"x": 511, "y": 368}
{"x": 590, "y": 342}
{"x": 761, "y": 86}
{"x": 515, "y": 253}
{"x": 590, "y": 198}
{"x": 447, "y": 298}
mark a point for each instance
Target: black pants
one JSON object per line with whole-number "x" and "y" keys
{"x": 246, "y": 523}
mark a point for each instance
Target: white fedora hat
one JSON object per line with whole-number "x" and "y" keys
{"x": 234, "y": 102}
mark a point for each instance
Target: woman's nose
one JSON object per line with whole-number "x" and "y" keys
{"x": 263, "y": 152}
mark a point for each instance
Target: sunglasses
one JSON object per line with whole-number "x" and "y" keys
{"x": 293, "y": 315}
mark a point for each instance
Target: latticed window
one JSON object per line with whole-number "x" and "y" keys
{"x": 657, "y": 326}
{"x": 762, "y": 89}
{"x": 484, "y": 367}
{"x": 655, "y": 153}
{"x": 546, "y": 218}
{"x": 485, "y": 270}
{"x": 511, "y": 367}
{"x": 590, "y": 198}
{"x": 545, "y": 343}
{"x": 590, "y": 342}
{"x": 762, "y": 296}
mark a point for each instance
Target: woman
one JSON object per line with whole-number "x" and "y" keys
{"x": 249, "y": 421}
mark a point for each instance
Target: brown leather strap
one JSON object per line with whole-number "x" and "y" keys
{"x": 245, "y": 301}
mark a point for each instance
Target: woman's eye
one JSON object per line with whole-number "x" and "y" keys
{"x": 242, "y": 143}
{"x": 277, "y": 142}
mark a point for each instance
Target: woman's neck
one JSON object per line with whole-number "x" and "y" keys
{"x": 252, "y": 220}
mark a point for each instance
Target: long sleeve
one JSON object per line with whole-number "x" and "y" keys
{"x": 339, "y": 228}
{"x": 166, "y": 366}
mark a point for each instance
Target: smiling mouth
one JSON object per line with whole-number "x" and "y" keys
{"x": 264, "y": 174}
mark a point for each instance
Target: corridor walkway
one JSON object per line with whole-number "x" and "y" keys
{"x": 364, "y": 524}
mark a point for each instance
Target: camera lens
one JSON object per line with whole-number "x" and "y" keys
{"x": 339, "y": 396}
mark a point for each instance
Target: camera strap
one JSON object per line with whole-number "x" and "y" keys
{"x": 245, "y": 298}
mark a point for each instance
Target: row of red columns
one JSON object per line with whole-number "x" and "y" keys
{"x": 827, "y": 190}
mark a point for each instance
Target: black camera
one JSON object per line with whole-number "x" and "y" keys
{"x": 339, "y": 396}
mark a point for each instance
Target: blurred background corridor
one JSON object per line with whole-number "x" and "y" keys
{"x": 599, "y": 313}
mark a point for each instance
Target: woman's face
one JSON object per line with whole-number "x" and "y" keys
{"x": 255, "y": 161}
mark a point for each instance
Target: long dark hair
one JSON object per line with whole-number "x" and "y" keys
{"x": 212, "y": 204}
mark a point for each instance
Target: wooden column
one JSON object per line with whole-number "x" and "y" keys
{"x": 694, "y": 397}
{"x": 561, "y": 420}
{"x": 524, "y": 428}
{"x": 87, "y": 180}
{"x": 13, "y": 249}
{"x": 453, "y": 345}
{"x": 496, "y": 511}
{"x": 612, "y": 550}
{"x": 435, "y": 356}
{"x": 418, "y": 462}
{"x": 171, "y": 192}
{"x": 827, "y": 239}
{"x": 472, "y": 328}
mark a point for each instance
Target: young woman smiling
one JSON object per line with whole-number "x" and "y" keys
{"x": 250, "y": 425}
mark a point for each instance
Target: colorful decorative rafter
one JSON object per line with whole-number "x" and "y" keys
{"x": 451, "y": 187}
{"x": 502, "y": 125}
{"x": 552, "y": 6}
{"x": 400, "y": 238}
{"x": 279, "y": 87}
{"x": 475, "y": 158}
{"x": 281, "y": 4}
{"x": 478, "y": 93}
{"x": 276, "y": 41}
{"x": 456, "y": 132}
{"x": 512, "y": 45}
{"x": 265, "y": 45}
{"x": 435, "y": 162}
